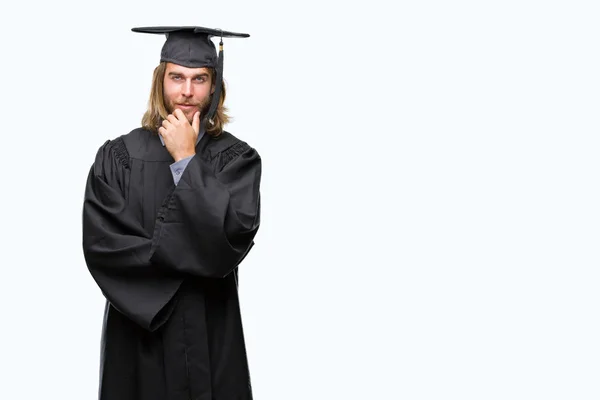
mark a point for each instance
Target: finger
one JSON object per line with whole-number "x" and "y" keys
{"x": 196, "y": 122}
{"x": 172, "y": 119}
{"x": 180, "y": 115}
{"x": 165, "y": 123}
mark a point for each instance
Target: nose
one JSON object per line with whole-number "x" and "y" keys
{"x": 186, "y": 90}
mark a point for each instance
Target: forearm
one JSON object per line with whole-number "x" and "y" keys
{"x": 208, "y": 225}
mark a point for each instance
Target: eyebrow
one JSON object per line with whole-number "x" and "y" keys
{"x": 203, "y": 74}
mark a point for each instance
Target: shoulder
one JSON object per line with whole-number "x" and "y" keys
{"x": 226, "y": 147}
{"x": 140, "y": 144}
{"x": 113, "y": 149}
{"x": 227, "y": 144}
{"x": 138, "y": 141}
{"x": 128, "y": 140}
{"x": 118, "y": 149}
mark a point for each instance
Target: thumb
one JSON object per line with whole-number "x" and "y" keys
{"x": 196, "y": 122}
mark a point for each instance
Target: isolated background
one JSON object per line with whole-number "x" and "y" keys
{"x": 430, "y": 191}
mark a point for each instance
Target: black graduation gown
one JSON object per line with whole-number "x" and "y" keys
{"x": 166, "y": 257}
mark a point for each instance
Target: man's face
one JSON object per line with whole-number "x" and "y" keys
{"x": 187, "y": 89}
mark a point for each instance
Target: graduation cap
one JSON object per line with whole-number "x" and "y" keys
{"x": 190, "y": 46}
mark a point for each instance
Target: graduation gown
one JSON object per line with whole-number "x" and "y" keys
{"x": 166, "y": 258}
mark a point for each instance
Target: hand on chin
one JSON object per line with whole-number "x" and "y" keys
{"x": 188, "y": 111}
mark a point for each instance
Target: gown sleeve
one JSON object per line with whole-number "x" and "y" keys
{"x": 212, "y": 216}
{"x": 117, "y": 248}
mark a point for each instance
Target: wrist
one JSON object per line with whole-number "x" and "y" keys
{"x": 180, "y": 156}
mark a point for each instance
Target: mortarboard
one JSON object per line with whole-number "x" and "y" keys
{"x": 190, "y": 46}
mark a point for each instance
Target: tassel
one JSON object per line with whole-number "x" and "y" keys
{"x": 217, "y": 94}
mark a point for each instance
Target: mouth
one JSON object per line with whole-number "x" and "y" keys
{"x": 186, "y": 106}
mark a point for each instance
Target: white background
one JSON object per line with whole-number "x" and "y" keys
{"x": 430, "y": 191}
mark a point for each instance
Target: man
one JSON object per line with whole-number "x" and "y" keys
{"x": 170, "y": 211}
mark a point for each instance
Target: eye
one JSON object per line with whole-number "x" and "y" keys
{"x": 176, "y": 77}
{"x": 200, "y": 79}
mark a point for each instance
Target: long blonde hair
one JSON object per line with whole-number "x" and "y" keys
{"x": 157, "y": 110}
